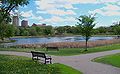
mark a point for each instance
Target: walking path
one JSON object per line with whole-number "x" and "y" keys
{"x": 81, "y": 62}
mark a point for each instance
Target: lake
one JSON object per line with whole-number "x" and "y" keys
{"x": 37, "y": 40}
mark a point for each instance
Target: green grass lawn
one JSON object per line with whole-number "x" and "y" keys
{"x": 113, "y": 60}
{"x": 23, "y": 65}
{"x": 67, "y": 51}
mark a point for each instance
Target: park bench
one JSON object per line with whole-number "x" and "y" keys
{"x": 52, "y": 48}
{"x": 41, "y": 56}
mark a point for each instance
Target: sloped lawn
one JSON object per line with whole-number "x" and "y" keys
{"x": 23, "y": 65}
{"x": 67, "y": 51}
{"x": 113, "y": 60}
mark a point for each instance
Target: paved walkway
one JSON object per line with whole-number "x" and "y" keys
{"x": 80, "y": 62}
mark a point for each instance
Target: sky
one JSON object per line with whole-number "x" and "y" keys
{"x": 65, "y": 12}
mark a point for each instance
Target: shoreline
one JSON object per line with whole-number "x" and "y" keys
{"x": 72, "y": 44}
{"x": 61, "y": 36}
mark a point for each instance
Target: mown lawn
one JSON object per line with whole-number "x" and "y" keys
{"x": 67, "y": 51}
{"x": 113, "y": 60}
{"x": 23, "y": 65}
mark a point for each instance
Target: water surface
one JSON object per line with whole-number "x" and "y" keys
{"x": 36, "y": 40}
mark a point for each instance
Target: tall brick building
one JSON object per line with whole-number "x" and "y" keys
{"x": 24, "y": 23}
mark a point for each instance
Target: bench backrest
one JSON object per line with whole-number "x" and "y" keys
{"x": 52, "y": 47}
{"x": 39, "y": 54}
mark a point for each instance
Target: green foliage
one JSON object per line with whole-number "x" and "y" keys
{"x": 60, "y": 30}
{"x": 48, "y": 30}
{"x": 17, "y": 31}
{"x": 117, "y": 30}
{"x": 113, "y": 60}
{"x": 86, "y": 24}
{"x": 33, "y": 31}
{"x": 6, "y": 31}
{"x": 10, "y": 31}
{"x": 2, "y": 31}
{"x": 25, "y": 33}
{"x": 23, "y": 65}
{"x": 9, "y": 5}
{"x": 39, "y": 30}
{"x": 102, "y": 30}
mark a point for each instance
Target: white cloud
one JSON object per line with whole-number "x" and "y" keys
{"x": 118, "y": 3}
{"x": 41, "y": 12}
{"x": 45, "y": 4}
{"x": 108, "y": 10}
{"x": 115, "y": 20}
{"x": 108, "y": 1}
{"x": 61, "y": 12}
{"x": 56, "y": 19}
{"x": 111, "y": 7}
{"x": 30, "y": 15}
{"x": 36, "y": 17}
{"x": 57, "y": 12}
{"x": 53, "y": 7}
{"x": 49, "y": 7}
{"x": 27, "y": 14}
{"x": 82, "y": 1}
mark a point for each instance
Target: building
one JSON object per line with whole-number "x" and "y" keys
{"x": 15, "y": 20}
{"x": 24, "y": 23}
{"x": 38, "y": 24}
{"x": 34, "y": 24}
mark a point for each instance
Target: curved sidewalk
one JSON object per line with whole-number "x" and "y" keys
{"x": 81, "y": 62}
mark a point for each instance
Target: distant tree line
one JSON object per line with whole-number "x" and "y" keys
{"x": 64, "y": 30}
{"x": 7, "y": 31}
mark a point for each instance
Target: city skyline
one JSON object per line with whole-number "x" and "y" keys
{"x": 64, "y": 12}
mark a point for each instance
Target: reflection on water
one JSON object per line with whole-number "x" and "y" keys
{"x": 36, "y": 40}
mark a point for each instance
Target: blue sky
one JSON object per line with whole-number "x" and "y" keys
{"x": 64, "y": 12}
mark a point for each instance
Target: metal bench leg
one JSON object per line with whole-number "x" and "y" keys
{"x": 50, "y": 61}
{"x": 45, "y": 61}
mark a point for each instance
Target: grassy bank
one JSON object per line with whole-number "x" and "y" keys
{"x": 113, "y": 60}
{"x": 76, "y": 51}
{"x": 23, "y": 65}
{"x": 67, "y": 51}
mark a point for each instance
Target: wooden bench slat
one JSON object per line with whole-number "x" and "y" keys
{"x": 52, "y": 48}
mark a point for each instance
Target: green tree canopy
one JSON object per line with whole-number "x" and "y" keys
{"x": 9, "y": 5}
{"x": 5, "y": 8}
{"x": 86, "y": 24}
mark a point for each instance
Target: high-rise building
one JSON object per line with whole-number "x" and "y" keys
{"x": 15, "y": 20}
{"x": 24, "y": 23}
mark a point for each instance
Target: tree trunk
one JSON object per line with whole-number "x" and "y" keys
{"x": 86, "y": 45}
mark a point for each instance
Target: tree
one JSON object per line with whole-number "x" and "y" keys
{"x": 86, "y": 24}
{"x": 102, "y": 30}
{"x": 5, "y": 8}
{"x": 68, "y": 29}
{"x": 6, "y": 31}
{"x": 2, "y": 31}
{"x": 33, "y": 31}
{"x": 25, "y": 33}
{"x": 10, "y": 31}
{"x": 39, "y": 30}
{"x": 117, "y": 30}
{"x": 9, "y": 5}
{"x": 60, "y": 30}
{"x": 17, "y": 31}
{"x": 48, "y": 30}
